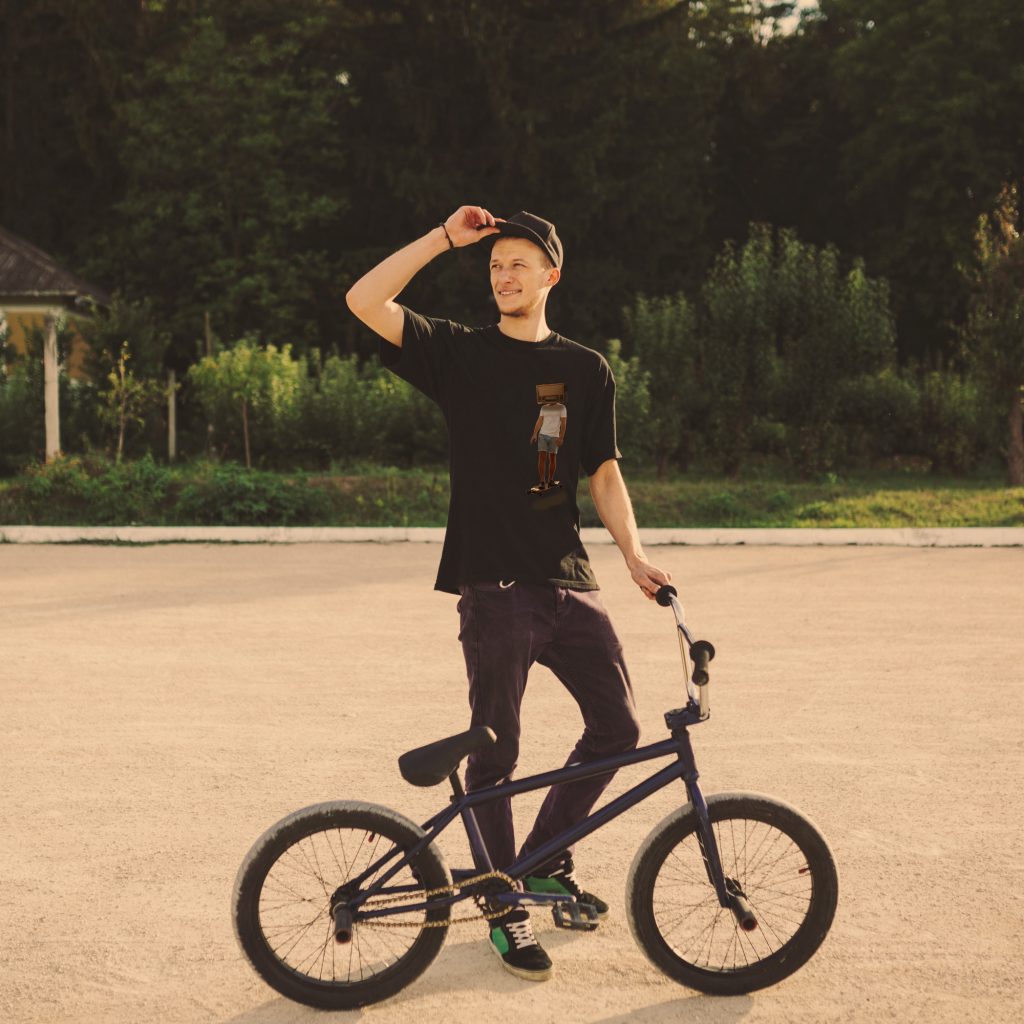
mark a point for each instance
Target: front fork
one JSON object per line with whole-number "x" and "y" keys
{"x": 728, "y": 890}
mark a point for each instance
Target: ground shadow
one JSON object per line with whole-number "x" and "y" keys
{"x": 462, "y": 969}
{"x": 692, "y": 1006}
{"x": 283, "y": 1011}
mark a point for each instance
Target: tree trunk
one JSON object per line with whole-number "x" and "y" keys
{"x": 245, "y": 433}
{"x": 209, "y": 351}
{"x": 1015, "y": 442}
{"x": 122, "y": 418}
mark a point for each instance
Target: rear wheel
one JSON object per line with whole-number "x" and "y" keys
{"x": 779, "y": 861}
{"x": 282, "y": 908}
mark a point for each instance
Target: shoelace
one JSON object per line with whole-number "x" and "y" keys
{"x": 522, "y": 933}
{"x": 567, "y": 873}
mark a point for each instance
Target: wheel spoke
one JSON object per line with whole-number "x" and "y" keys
{"x": 771, "y": 870}
{"x": 293, "y": 906}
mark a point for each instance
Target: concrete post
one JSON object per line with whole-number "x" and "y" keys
{"x": 51, "y": 393}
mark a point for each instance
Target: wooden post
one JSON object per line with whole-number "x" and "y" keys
{"x": 209, "y": 352}
{"x": 172, "y": 417}
{"x": 51, "y": 393}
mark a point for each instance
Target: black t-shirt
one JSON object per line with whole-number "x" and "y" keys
{"x": 496, "y": 393}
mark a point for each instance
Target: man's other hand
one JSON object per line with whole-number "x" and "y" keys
{"x": 468, "y": 224}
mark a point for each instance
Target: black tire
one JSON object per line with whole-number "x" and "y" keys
{"x": 304, "y": 858}
{"x": 786, "y": 871}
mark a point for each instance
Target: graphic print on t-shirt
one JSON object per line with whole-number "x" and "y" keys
{"x": 549, "y": 434}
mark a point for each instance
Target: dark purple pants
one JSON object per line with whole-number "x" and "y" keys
{"x": 504, "y": 630}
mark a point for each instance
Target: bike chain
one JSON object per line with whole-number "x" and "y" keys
{"x": 450, "y": 889}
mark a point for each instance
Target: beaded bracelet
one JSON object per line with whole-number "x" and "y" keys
{"x": 451, "y": 244}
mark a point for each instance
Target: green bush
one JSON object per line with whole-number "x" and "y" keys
{"x": 879, "y": 415}
{"x": 951, "y": 423}
{"x": 738, "y": 328}
{"x": 251, "y": 394}
{"x": 71, "y": 489}
{"x": 783, "y": 329}
{"x": 230, "y": 495}
{"x": 21, "y": 419}
{"x": 410, "y": 428}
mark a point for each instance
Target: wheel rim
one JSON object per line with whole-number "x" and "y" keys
{"x": 294, "y": 908}
{"x": 775, "y": 877}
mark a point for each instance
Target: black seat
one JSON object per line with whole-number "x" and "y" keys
{"x": 429, "y": 765}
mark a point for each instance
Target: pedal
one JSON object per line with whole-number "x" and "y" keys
{"x": 580, "y": 917}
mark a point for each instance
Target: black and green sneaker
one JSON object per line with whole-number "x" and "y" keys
{"x": 513, "y": 942}
{"x": 559, "y": 877}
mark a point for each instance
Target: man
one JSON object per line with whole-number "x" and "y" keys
{"x": 512, "y": 551}
{"x": 549, "y": 433}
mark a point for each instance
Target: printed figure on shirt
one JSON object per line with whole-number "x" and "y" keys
{"x": 549, "y": 433}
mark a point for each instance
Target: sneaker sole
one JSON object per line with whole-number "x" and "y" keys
{"x": 518, "y": 971}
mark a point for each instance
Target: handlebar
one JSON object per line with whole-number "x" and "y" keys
{"x": 701, "y": 651}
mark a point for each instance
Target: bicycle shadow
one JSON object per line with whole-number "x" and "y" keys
{"x": 283, "y": 1011}
{"x": 713, "y": 1009}
{"x": 460, "y": 972}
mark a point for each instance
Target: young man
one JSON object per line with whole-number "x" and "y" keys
{"x": 512, "y": 549}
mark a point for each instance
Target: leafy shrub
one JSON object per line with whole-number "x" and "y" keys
{"x": 340, "y": 418}
{"x": 75, "y": 489}
{"x": 231, "y": 495}
{"x": 252, "y": 394}
{"x": 951, "y": 422}
{"x": 879, "y": 414}
{"x": 21, "y": 419}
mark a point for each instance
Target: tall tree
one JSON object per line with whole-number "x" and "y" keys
{"x": 594, "y": 114}
{"x": 232, "y": 157}
{"x": 994, "y": 332}
{"x": 62, "y": 69}
{"x": 934, "y": 94}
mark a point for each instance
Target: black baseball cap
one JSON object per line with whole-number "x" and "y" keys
{"x": 534, "y": 229}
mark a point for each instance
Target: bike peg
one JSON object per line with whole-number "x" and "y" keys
{"x": 662, "y": 594}
{"x": 342, "y": 924}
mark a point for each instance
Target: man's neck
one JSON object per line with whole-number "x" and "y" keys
{"x": 525, "y": 328}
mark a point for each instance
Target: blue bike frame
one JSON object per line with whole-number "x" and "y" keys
{"x": 462, "y": 805}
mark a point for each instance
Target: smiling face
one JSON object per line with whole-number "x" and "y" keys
{"x": 521, "y": 276}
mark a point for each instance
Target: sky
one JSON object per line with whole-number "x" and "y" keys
{"x": 790, "y": 23}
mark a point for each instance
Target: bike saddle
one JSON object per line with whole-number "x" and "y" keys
{"x": 429, "y": 765}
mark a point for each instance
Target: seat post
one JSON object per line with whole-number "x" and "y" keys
{"x": 481, "y": 858}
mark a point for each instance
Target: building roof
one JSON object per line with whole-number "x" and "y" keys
{"x": 27, "y": 272}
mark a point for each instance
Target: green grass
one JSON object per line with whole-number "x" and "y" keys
{"x": 894, "y": 501}
{"x": 80, "y": 492}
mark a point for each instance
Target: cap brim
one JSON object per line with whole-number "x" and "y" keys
{"x": 510, "y": 230}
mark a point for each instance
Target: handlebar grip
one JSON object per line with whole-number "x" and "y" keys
{"x": 702, "y": 652}
{"x": 661, "y": 596}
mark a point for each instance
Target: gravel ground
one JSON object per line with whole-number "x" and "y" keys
{"x": 163, "y": 705}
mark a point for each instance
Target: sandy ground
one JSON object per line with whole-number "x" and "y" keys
{"x": 161, "y": 706}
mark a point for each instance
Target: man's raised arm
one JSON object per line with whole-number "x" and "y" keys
{"x": 372, "y": 297}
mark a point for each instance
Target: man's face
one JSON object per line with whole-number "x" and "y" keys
{"x": 520, "y": 276}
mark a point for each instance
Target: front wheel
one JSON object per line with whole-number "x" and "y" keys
{"x": 282, "y": 905}
{"x": 773, "y": 854}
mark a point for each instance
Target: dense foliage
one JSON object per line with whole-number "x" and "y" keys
{"x": 785, "y": 358}
{"x": 230, "y": 168}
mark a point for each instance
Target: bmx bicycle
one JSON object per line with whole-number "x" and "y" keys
{"x": 345, "y": 903}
